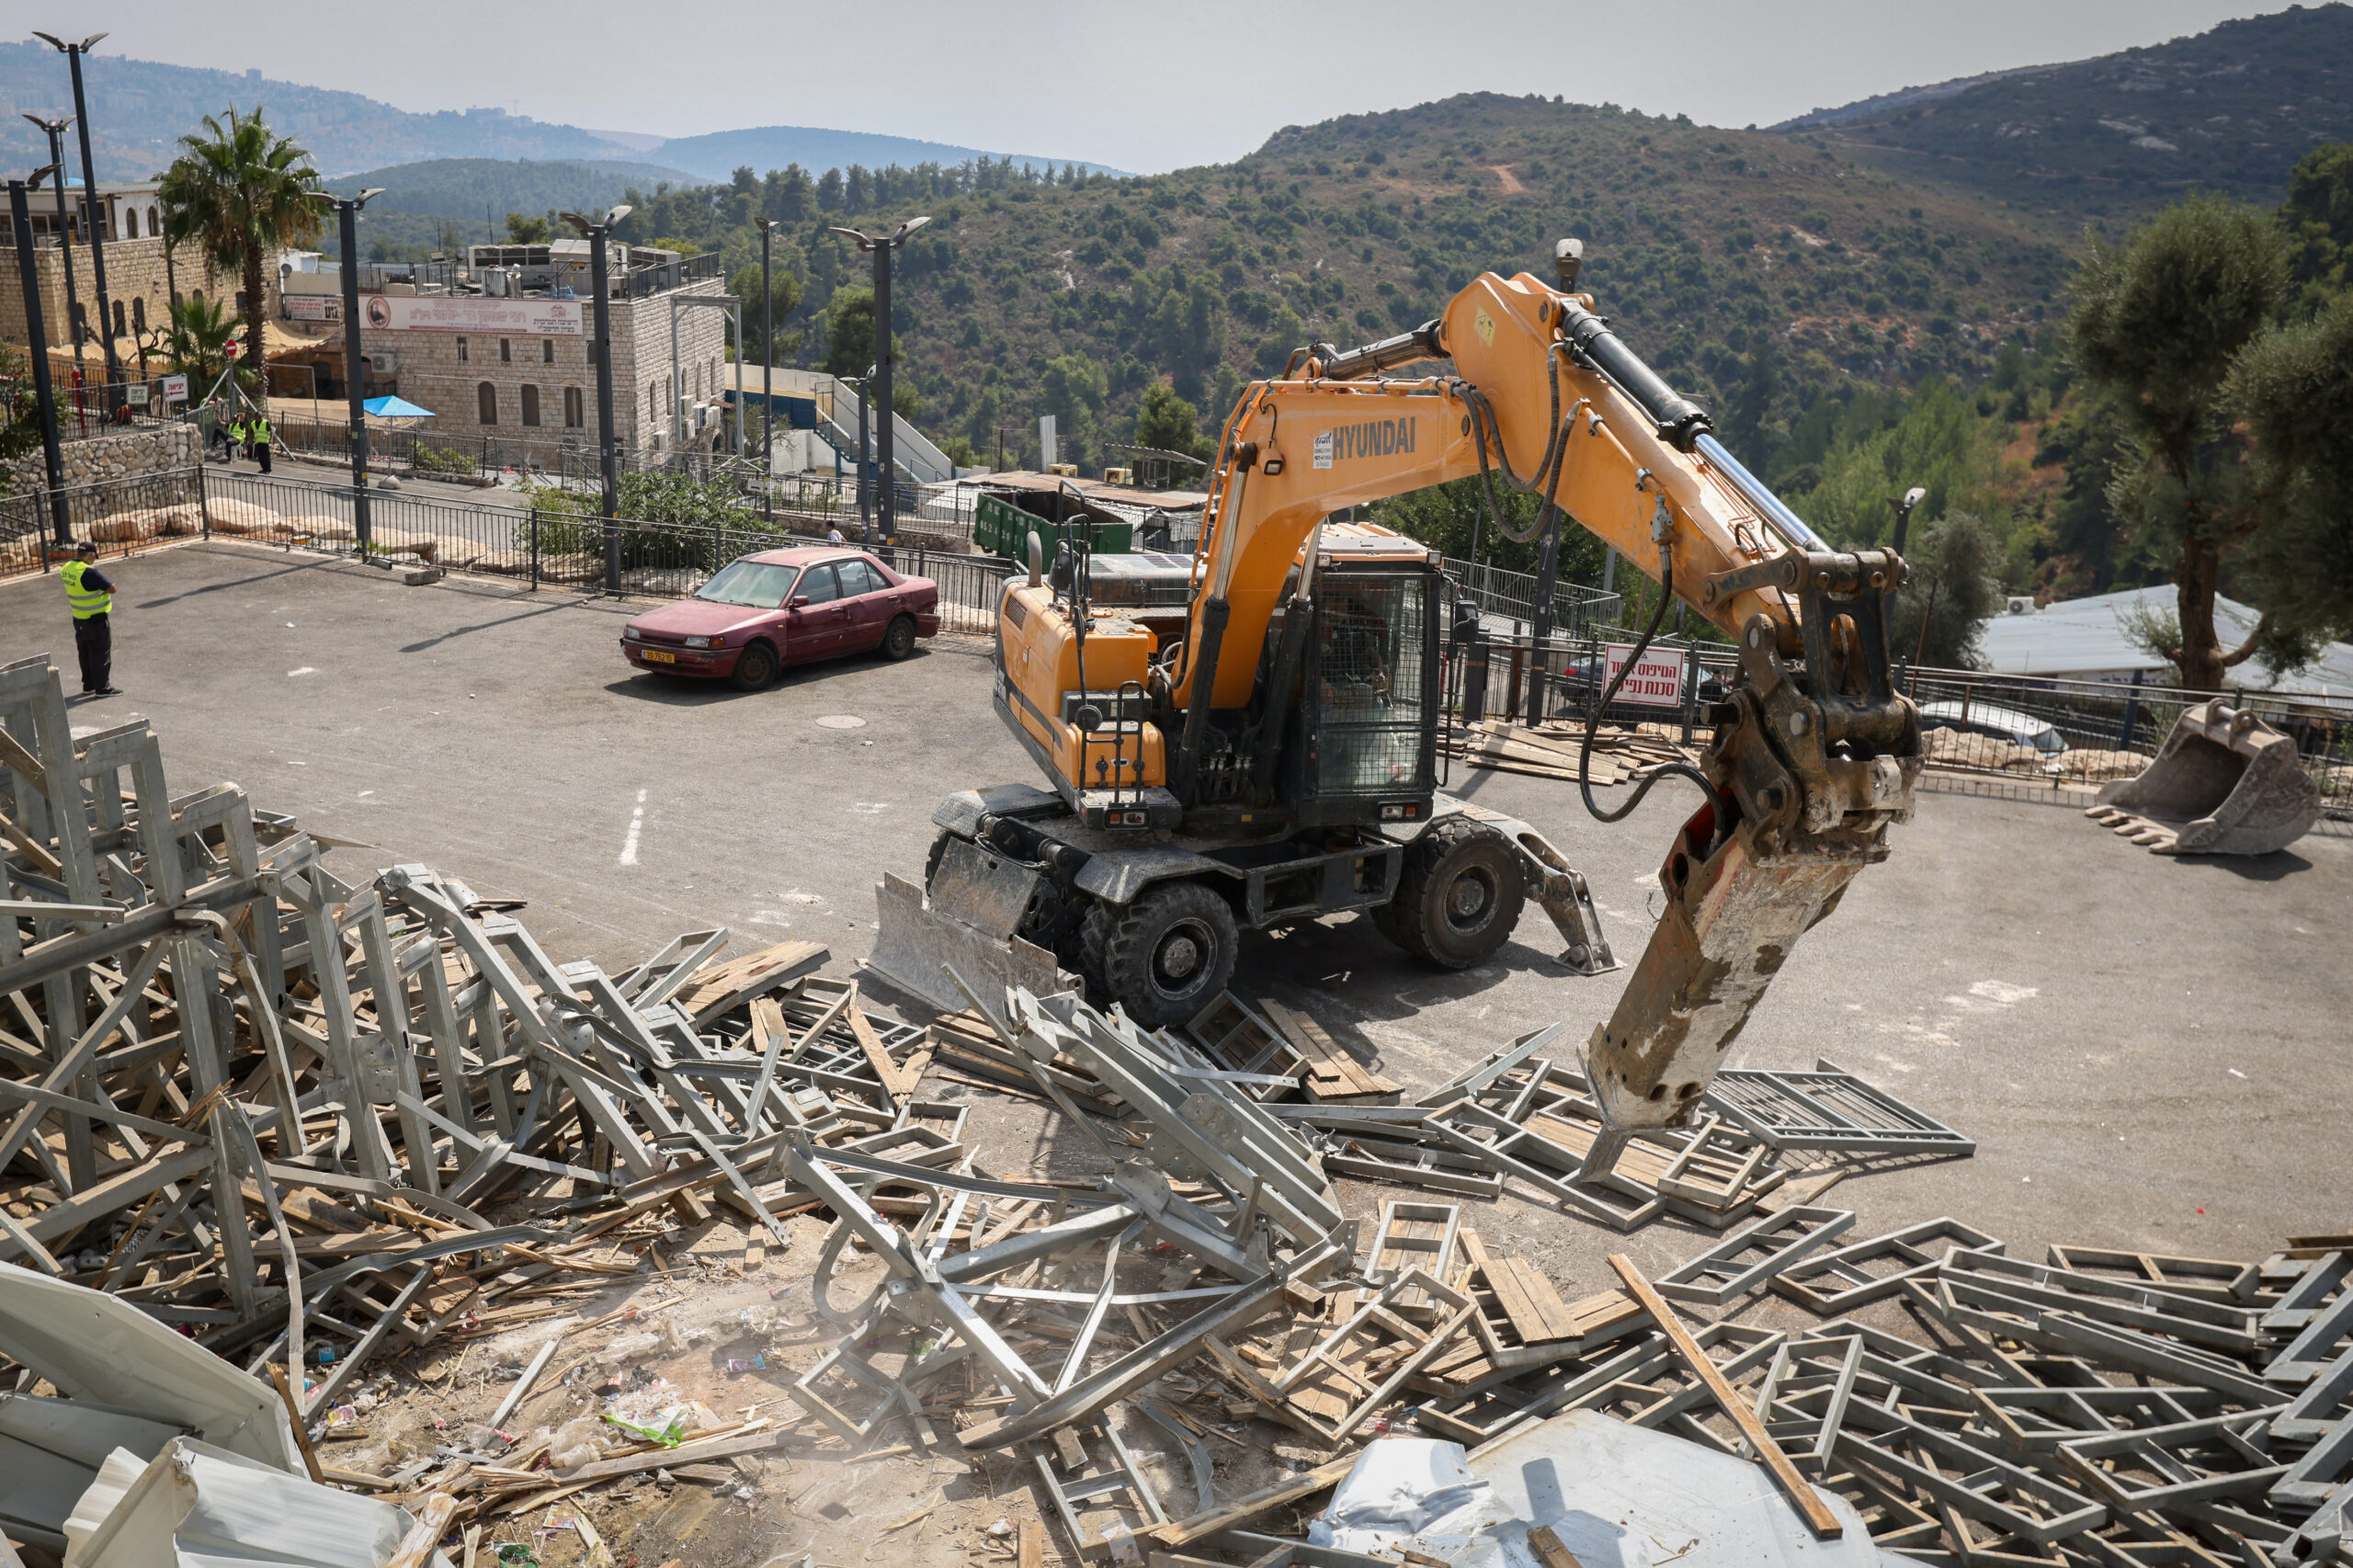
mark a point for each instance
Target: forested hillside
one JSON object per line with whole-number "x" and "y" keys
{"x": 2229, "y": 111}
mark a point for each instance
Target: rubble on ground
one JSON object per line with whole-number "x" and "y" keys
{"x": 343, "y": 1196}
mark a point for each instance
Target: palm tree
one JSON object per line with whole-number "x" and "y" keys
{"x": 240, "y": 192}
{"x": 198, "y": 341}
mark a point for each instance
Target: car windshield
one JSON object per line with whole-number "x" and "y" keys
{"x": 760, "y": 584}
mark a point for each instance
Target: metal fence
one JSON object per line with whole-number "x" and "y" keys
{"x": 2020, "y": 737}
{"x": 119, "y": 516}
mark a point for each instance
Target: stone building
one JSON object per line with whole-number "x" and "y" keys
{"x": 141, "y": 274}
{"x": 501, "y": 347}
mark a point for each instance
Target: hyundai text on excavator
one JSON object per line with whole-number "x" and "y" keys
{"x": 1248, "y": 736}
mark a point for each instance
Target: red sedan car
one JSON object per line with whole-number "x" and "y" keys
{"x": 784, "y": 606}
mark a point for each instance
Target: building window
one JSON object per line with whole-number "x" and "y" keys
{"x": 138, "y": 313}
{"x": 120, "y": 329}
{"x": 462, "y": 351}
{"x": 530, "y": 405}
{"x": 505, "y": 350}
{"x": 153, "y": 227}
{"x": 130, "y": 223}
{"x": 486, "y": 404}
{"x": 575, "y": 416}
{"x": 547, "y": 350}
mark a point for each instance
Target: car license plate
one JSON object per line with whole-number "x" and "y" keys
{"x": 656, "y": 656}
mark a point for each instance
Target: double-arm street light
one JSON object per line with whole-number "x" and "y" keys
{"x": 881, "y": 247}
{"x": 56, "y": 129}
{"x": 354, "y": 363}
{"x": 28, "y": 275}
{"x": 94, "y": 226}
{"x": 599, "y": 233}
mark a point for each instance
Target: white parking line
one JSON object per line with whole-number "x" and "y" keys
{"x": 636, "y": 821}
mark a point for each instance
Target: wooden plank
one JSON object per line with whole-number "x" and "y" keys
{"x": 1327, "y": 1063}
{"x": 722, "y": 987}
{"x": 685, "y": 1453}
{"x": 898, "y": 1082}
{"x": 1030, "y": 1544}
{"x": 1818, "y": 1517}
{"x": 1226, "y": 1516}
{"x": 425, "y": 1533}
{"x": 1548, "y": 1549}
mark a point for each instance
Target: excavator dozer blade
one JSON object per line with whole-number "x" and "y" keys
{"x": 2223, "y": 783}
{"x": 967, "y": 925}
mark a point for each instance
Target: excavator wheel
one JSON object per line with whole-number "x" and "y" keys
{"x": 1165, "y": 957}
{"x": 1459, "y": 897}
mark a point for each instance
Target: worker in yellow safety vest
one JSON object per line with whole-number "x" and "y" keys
{"x": 92, "y": 598}
{"x": 262, "y": 436}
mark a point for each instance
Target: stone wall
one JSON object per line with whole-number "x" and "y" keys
{"x": 137, "y": 286}
{"x": 125, "y": 456}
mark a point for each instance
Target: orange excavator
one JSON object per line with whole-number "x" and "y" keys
{"x": 1248, "y": 736}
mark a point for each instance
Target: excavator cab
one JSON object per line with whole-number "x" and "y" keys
{"x": 1362, "y": 746}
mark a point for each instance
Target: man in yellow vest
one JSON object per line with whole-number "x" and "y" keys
{"x": 92, "y": 597}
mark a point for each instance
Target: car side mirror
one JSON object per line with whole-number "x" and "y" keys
{"x": 798, "y": 601}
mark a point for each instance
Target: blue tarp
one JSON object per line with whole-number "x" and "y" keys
{"x": 397, "y": 408}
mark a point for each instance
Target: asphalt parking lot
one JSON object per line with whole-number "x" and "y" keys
{"x": 2153, "y": 1053}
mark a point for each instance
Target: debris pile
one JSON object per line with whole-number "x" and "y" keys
{"x": 319, "y": 1127}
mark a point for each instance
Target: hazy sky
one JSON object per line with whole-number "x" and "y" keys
{"x": 1142, "y": 87}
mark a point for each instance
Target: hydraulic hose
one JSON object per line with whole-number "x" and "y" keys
{"x": 1648, "y": 775}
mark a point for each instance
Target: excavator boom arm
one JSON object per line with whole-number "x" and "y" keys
{"x": 1813, "y": 759}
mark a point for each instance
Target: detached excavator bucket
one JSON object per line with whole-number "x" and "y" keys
{"x": 966, "y": 926}
{"x": 2223, "y": 783}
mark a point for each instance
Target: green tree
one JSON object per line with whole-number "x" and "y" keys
{"x": 849, "y": 331}
{"x": 2318, "y": 216}
{"x": 197, "y": 342}
{"x": 2161, "y": 324}
{"x": 1167, "y": 422}
{"x": 1074, "y": 389}
{"x": 1955, "y": 586}
{"x": 2294, "y": 388}
{"x": 522, "y": 228}
{"x": 783, "y": 297}
{"x": 240, "y": 193}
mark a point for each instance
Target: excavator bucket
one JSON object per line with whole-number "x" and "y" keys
{"x": 2223, "y": 783}
{"x": 964, "y": 930}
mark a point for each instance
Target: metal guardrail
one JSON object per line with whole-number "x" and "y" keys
{"x": 119, "y": 515}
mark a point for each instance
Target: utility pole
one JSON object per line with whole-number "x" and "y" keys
{"x": 881, "y": 247}
{"x": 28, "y": 274}
{"x": 768, "y": 360}
{"x": 354, "y": 363}
{"x": 56, "y": 129}
{"x": 865, "y": 466}
{"x": 95, "y": 225}
{"x": 599, "y": 233}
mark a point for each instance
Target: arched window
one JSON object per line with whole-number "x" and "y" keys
{"x": 120, "y": 330}
{"x": 530, "y": 405}
{"x": 486, "y": 404}
{"x": 130, "y": 222}
{"x": 575, "y": 416}
{"x": 152, "y": 226}
{"x": 138, "y": 313}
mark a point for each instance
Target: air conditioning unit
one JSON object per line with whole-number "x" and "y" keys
{"x": 1066, "y": 470}
{"x": 1119, "y": 476}
{"x": 384, "y": 362}
{"x": 2021, "y": 604}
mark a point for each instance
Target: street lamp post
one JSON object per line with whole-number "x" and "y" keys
{"x": 355, "y": 362}
{"x": 93, "y": 226}
{"x": 768, "y": 363}
{"x": 865, "y": 385}
{"x": 881, "y": 247}
{"x": 56, "y": 129}
{"x": 599, "y": 231}
{"x": 44, "y": 398}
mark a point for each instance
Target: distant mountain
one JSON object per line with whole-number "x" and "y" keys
{"x": 2229, "y": 111}
{"x": 467, "y": 187}
{"x": 139, "y": 109}
{"x": 719, "y": 154}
